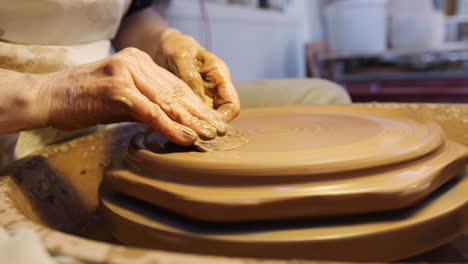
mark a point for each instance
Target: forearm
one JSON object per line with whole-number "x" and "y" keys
{"x": 20, "y": 104}
{"x": 142, "y": 30}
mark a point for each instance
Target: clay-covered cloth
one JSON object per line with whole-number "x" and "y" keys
{"x": 42, "y": 36}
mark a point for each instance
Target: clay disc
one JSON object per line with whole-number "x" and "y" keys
{"x": 356, "y": 192}
{"x": 296, "y": 141}
{"x": 372, "y": 238}
{"x": 207, "y": 186}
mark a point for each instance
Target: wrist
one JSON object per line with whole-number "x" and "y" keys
{"x": 24, "y": 105}
{"x": 162, "y": 39}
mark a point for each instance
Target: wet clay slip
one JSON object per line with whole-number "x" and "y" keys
{"x": 303, "y": 161}
{"x": 55, "y": 192}
{"x": 232, "y": 140}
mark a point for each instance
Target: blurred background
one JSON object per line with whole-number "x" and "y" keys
{"x": 379, "y": 50}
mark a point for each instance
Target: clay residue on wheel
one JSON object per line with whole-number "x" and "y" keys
{"x": 232, "y": 140}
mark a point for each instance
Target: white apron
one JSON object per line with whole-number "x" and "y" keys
{"x": 41, "y": 36}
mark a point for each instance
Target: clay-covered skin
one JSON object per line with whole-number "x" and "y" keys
{"x": 124, "y": 87}
{"x": 204, "y": 72}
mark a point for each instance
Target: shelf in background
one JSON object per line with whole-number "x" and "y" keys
{"x": 447, "y": 47}
{"x": 435, "y": 91}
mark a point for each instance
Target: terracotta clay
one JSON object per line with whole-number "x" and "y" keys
{"x": 355, "y": 192}
{"x": 249, "y": 189}
{"x": 232, "y": 140}
{"x": 54, "y": 191}
{"x": 297, "y": 142}
{"x": 230, "y": 186}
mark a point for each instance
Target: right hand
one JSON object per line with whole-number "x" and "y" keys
{"x": 128, "y": 86}
{"x": 205, "y": 73}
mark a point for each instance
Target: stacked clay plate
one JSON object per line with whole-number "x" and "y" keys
{"x": 316, "y": 182}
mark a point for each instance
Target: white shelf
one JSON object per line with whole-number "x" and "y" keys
{"x": 447, "y": 47}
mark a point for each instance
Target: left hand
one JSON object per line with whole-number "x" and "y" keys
{"x": 205, "y": 73}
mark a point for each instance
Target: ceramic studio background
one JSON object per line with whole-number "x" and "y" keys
{"x": 266, "y": 43}
{"x": 255, "y": 44}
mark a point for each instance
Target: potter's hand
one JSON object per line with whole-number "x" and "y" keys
{"x": 129, "y": 86}
{"x": 205, "y": 73}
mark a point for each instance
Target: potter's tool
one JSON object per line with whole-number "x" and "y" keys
{"x": 232, "y": 140}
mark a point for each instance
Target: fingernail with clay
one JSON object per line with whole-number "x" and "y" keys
{"x": 190, "y": 134}
{"x": 207, "y": 133}
{"x": 207, "y": 130}
{"x": 221, "y": 127}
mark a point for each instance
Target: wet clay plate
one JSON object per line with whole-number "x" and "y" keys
{"x": 298, "y": 140}
{"x": 198, "y": 185}
{"x": 356, "y": 192}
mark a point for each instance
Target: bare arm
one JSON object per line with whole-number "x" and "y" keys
{"x": 142, "y": 30}
{"x": 19, "y": 107}
{"x": 126, "y": 86}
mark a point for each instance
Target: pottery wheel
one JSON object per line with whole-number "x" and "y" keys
{"x": 281, "y": 194}
{"x": 370, "y": 238}
{"x": 303, "y": 161}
